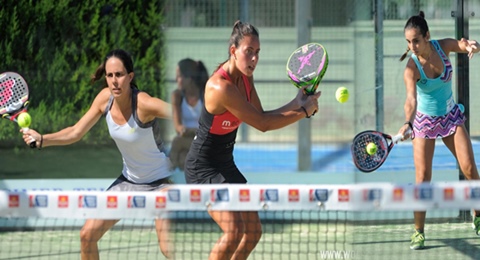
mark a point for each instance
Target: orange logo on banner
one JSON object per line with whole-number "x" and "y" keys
{"x": 244, "y": 195}
{"x": 13, "y": 201}
{"x": 448, "y": 193}
{"x": 112, "y": 202}
{"x": 160, "y": 202}
{"x": 293, "y": 195}
{"x": 343, "y": 195}
{"x": 398, "y": 194}
{"x": 195, "y": 196}
{"x": 63, "y": 201}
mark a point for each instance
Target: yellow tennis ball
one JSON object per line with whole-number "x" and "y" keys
{"x": 371, "y": 148}
{"x": 24, "y": 120}
{"x": 342, "y": 94}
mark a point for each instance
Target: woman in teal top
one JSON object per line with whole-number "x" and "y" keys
{"x": 431, "y": 112}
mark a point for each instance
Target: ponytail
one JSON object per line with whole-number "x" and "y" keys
{"x": 404, "y": 54}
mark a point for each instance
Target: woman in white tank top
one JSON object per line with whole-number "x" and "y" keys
{"x": 187, "y": 101}
{"x": 131, "y": 117}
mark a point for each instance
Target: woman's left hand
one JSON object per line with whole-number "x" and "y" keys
{"x": 470, "y": 46}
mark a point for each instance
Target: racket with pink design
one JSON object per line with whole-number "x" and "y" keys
{"x": 307, "y": 65}
{"x": 13, "y": 97}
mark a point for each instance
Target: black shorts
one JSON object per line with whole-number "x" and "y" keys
{"x": 205, "y": 172}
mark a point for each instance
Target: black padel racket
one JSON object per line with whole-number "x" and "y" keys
{"x": 370, "y": 162}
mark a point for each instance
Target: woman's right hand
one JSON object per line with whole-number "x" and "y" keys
{"x": 405, "y": 131}
{"x": 30, "y": 134}
{"x": 309, "y": 102}
{"x": 180, "y": 130}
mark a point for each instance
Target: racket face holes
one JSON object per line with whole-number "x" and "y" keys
{"x": 6, "y": 91}
{"x": 364, "y": 161}
{"x": 307, "y": 65}
{"x": 13, "y": 92}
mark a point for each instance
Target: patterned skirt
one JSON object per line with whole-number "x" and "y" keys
{"x": 431, "y": 127}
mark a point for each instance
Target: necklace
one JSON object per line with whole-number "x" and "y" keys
{"x": 430, "y": 53}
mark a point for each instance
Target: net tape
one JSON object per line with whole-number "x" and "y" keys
{"x": 353, "y": 197}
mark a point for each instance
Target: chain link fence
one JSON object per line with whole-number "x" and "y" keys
{"x": 200, "y": 29}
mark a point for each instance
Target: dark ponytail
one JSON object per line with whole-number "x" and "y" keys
{"x": 404, "y": 54}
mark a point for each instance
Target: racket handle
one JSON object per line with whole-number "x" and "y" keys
{"x": 33, "y": 142}
{"x": 409, "y": 131}
{"x": 399, "y": 137}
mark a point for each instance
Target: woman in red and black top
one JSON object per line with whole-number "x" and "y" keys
{"x": 230, "y": 99}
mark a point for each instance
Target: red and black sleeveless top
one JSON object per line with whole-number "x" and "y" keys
{"x": 216, "y": 134}
{"x": 226, "y": 122}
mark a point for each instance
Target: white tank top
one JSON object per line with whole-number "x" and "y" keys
{"x": 144, "y": 159}
{"x": 190, "y": 115}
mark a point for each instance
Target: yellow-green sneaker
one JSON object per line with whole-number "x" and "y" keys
{"x": 476, "y": 225}
{"x": 418, "y": 241}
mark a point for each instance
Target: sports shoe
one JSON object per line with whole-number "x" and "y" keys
{"x": 418, "y": 240}
{"x": 476, "y": 225}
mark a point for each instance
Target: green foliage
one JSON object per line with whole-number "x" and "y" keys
{"x": 57, "y": 45}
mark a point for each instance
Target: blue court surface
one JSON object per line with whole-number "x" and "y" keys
{"x": 333, "y": 158}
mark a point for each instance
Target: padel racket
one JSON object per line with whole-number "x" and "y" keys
{"x": 13, "y": 97}
{"x": 384, "y": 142}
{"x": 307, "y": 65}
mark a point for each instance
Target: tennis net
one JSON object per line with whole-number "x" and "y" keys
{"x": 358, "y": 221}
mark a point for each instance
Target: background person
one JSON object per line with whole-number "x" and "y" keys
{"x": 187, "y": 102}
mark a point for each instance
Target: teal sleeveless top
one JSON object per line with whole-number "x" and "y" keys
{"x": 434, "y": 96}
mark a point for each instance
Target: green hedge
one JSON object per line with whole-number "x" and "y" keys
{"x": 57, "y": 45}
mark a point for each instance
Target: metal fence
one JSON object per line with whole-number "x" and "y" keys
{"x": 200, "y": 29}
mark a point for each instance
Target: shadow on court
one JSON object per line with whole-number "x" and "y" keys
{"x": 442, "y": 241}
{"x": 341, "y": 153}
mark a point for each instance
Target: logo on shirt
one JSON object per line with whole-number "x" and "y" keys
{"x": 227, "y": 124}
